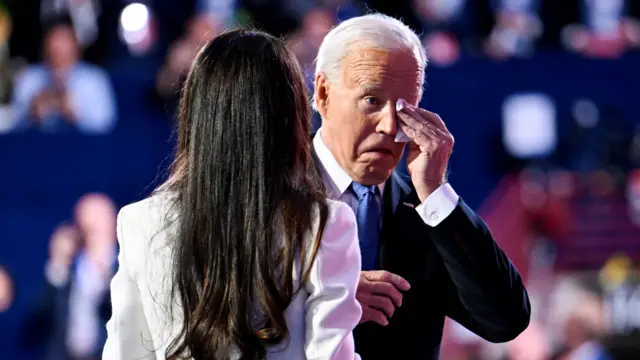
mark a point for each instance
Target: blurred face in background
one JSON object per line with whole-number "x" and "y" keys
{"x": 61, "y": 48}
{"x": 358, "y": 112}
{"x": 585, "y": 322}
{"x": 95, "y": 217}
{"x": 202, "y": 28}
{"x": 315, "y": 26}
{"x": 6, "y": 290}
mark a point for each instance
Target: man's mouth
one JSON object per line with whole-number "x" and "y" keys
{"x": 380, "y": 150}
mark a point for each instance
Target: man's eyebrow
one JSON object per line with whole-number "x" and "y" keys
{"x": 370, "y": 87}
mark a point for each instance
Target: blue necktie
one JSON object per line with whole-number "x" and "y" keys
{"x": 368, "y": 218}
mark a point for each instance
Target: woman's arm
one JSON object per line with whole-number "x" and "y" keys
{"x": 332, "y": 311}
{"x": 128, "y": 335}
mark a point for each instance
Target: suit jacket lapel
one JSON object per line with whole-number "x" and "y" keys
{"x": 398, "y": 192}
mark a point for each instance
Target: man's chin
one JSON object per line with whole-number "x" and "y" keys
{"x": 375, "y": 172}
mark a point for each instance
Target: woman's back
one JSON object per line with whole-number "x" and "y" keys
{"x": 246, "y": 248}
{"x": 146, "y": 272}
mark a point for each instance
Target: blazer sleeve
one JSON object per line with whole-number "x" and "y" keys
{"x": 332, "y": 311}
{"x": 484, "y": 291}
{"x": 128, "y": 335}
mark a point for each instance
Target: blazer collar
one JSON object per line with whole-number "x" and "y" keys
{"x": 401, "y": 192}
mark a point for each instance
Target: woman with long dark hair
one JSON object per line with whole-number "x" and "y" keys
{"x": 239, "y": 255}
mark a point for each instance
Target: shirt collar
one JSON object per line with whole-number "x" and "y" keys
{"x": 334, "y": 174}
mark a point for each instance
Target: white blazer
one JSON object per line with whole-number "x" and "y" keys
{"x": 145, "y": 320}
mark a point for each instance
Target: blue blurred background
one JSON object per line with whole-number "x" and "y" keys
{"x": 542, "y": 97}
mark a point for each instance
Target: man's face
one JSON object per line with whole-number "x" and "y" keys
{"x": 359, "y": 117}
{"x": 61, "y": 48}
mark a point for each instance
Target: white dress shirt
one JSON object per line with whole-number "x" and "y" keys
{"x": 437, "y": 207}
{"x": 320, "y": 318}
{"x": 87, "y": 293}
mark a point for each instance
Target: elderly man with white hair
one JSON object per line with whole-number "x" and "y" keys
{"x": 425, "y": 253}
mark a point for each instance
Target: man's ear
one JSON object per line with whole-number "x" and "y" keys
{"x": 321, "y": 91}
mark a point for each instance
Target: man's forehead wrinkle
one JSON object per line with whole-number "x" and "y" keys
{"x": 376, "y": 78}
{"x": 370, "y": 71}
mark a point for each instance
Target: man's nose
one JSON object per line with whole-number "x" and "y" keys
{"x": 388, "y": 124}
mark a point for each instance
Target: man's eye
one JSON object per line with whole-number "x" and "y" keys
{"x": 371, "y": 100}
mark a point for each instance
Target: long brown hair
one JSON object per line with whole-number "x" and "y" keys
{"x": 247, "y": 194}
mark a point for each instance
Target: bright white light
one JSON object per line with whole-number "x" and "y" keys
{"x": 134, "y": 17}
{"x": 134, "y": 23}
{"x": 529, "y": 123}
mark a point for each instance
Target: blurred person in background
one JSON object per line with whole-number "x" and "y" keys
{"x": 606, "y": 29}
{"x": 305, "y": 42}
{"x": 621, "y": 292}
{"x": 199, "y": 30}
{"x": 441, "y": 19}
{"x": 63, "y": 94}
{"x": 532, "y": 344}
{"x": 584, "y": 327}
{"x": 6, "y": 71}
{"x": 222, "y": 10}
{"x": 6, "y": 290}
{"x": 517, "y": 28}
{"x": 425, "y": 253}
{"x": 68, "y": 321}
{"x": 83, "y": 14}
{"x": 633, "y": 185}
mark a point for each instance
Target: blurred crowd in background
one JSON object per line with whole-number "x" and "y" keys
{"x": 542, "y": 96}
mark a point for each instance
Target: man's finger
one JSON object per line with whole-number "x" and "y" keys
{"x": 420, "y": 118}
{"x": 385, "y": 276}
{"x": 375, "y": 315}
{"x": 432, "y": 117}
{"x": 387, "y": 290}
{"x": 436, "y": 121}
{"x": 364, "y": 285}
{"x": 411, "y": 118}
{"x": 420, "y": 125}
{"x": 397, "y": 280}
{"x": 382, "y": 303}
{"x": 423, "y": 138}
{"x": 426, "y": 124}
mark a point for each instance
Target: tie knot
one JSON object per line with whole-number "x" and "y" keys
{"x": 362, "y": 190}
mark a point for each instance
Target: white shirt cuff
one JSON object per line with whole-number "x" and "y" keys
{"x": 57, "y": 275}
{"x": 438, "y": 205}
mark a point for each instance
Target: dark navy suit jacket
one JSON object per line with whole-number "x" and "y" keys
{"x": 455, "y": 269}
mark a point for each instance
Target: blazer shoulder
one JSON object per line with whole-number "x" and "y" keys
{"x": 339, "y": 210}
{"x": 140, "y": 222}
{"x": 150, "y": 211}
{"x": 341, "y": 219}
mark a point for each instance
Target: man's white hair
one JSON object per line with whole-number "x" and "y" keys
{"x": 372, "y": 31}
